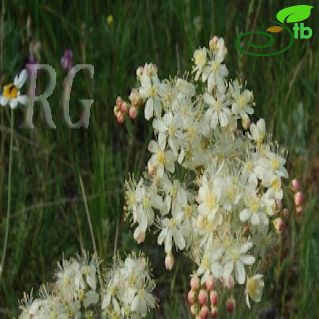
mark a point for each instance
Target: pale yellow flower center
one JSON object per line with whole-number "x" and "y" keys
{"x": 210, "y": 201}
{"x": 160, "y": 156}
{"x": 215, "y": 66}
{"x": 153, "y": 91}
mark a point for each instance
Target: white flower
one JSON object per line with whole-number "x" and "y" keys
{"x": 149, "y": 91}
{"x": 147, "y": 200}
{"x": 237, "y": 258}
{"x": 207, "y": 199}
{"x": 11, "y": 92}
{"x": 171, "y": 229}
{"x": 218, "y": 112}
{"x": 242, "y": 100}
{"x": 167, "y": 128}
{"x": 254, "y": 288}
{"x": 161, "y": 158}
{"x": 215, "y": 73}
{"x": 200, "y": 59}
{"x": 258, "y": 131}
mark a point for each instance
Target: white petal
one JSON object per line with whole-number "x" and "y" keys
{"x": 3, "y": 101}
{"x": 179, "y": 239}
{"x": 23, "y": 99}
{"x": 149, "y": 109}
{"x": 22, "y": 78}
{"x": 240, "y": 272}
{"x": 255, "y": 219}
{"x": 244, "y": 214}
{"x": 247, "y": 260}
{"x": 153, "y": 147}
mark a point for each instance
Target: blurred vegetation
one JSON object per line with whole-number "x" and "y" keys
{"x": 48, "y": 214}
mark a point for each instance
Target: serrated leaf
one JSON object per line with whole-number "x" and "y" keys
{"x": 294, "y": 13}
{"x": 275, "y": 29}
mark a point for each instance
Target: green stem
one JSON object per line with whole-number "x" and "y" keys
{"x": 90, "y": 226}
{"x": 9, "y": 198}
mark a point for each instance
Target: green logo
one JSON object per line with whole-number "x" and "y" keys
{"x": 245, "y": 43}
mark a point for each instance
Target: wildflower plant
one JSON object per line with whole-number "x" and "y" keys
{"x": 213, "y": 184}
{"x": 78, "y": 292}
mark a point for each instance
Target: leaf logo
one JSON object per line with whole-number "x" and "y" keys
{"x": 294, "y": 13}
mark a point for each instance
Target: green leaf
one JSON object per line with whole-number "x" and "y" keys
{"x": 294, "y": 13}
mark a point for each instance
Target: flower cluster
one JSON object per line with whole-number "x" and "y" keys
{"x": 128, "y": 293}
{"x": 78, "y": 292}
{"x": 213, "y": 184}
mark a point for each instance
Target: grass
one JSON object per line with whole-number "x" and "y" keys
{"x": 48, "y": 214}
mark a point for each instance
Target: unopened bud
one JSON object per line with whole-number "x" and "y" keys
{"x": 150, "y": 170}
{"x": 169, "y": 261}
{"x": 123, "y": 107}
{"x": 191, "y": 297}
{"x": 139, "y": 235}
{"x": 230, "y": 304}
{"x": 279, "y": 225}
{"x": 213, "y": 296}
{"x": 299, "y": 198}
{"x": 210, "y": 283}
{"x": 116, "y": 109}
{"x": 204, "y": 312}
{"x": 135, "y": 97}
{"x": 229, "y": 282}
{"x": 132, "y": 112}
{"x": 194, "y": 283}
{"x": 118, "y": 101}
{"x": 120, "y": 118}
{"x": 213, "y": 311}
{"x": 202, "y": 297}
{"x": 295, "y": 185}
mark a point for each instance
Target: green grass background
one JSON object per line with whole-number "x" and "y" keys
{"x": 48, "y": 214}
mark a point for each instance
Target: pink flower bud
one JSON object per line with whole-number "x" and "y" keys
{"x": 124, "y": 107}
{"x": 139, "y": 235}
{"x": 229, "y": 282}
{"x": 213, "y": 311}
{"x": 279, "y": 225}
{"x": 230, "y": 304}
{"x": 299, "y": 198}
{"x": 213, "y": 296}
{"x": 120, "y": 118}
{"x": 169, "y": 261}
{"x": 202, "y": 297}
{"x": 132, "y": 112}
{"x": 150, "y": 170}
{"x": 118, "y": 101}
{"x": 210, "y": 283}
{"x": 195, "y": 283}
{"x": 135, "y": 97}
{"x": 295, "y": 185}
{"x": 204, "y": 312}
{"x": 191, "y": 297}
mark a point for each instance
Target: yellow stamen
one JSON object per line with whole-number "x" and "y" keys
{"x": 10, "y": 91}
